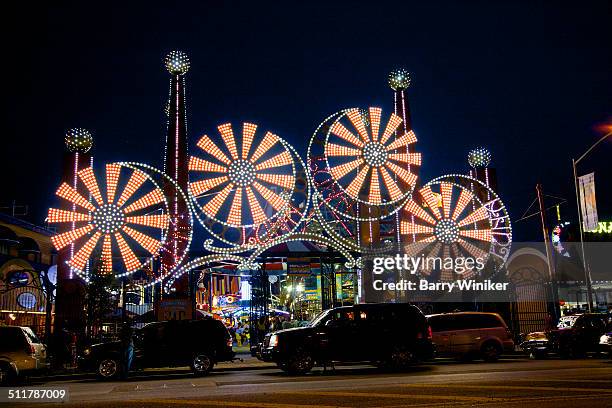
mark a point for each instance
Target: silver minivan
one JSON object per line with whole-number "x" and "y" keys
{"x": 470, "y": 334}
{"x": 21, "y": 353}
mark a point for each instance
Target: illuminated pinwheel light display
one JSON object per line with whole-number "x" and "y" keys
{"x": 246, "y": 187}
{"x": 366, "y": 161}
{"x": 446, "y": 219}
{"x": 124, "y": 219}
{"x": 250, "y": 191}
{"x": 363, "y": 168}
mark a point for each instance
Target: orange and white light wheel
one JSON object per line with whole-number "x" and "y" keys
{"x": 242, "y": 187}
{"x": 445, "y": 219}
{"x": 128, "y": 222}
{"x": 368, "y": 159}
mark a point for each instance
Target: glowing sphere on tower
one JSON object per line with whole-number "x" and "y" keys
{"x": 78, "y": 140}
{"x": 177, "y": 62}
{"x": 399, "y": 79}
{"x": 479, "y": 157}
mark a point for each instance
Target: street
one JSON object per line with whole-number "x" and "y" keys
{"x": 512, "y": 382}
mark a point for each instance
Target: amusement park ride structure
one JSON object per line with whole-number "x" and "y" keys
{"x": 250, "y": 191}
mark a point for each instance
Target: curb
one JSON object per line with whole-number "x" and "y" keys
{"x": 227, "y": 366}
{"x": 92, "y": 376}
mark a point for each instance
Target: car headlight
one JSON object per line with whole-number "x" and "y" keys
{"x": 87, "y": 352}
{"x": 273, "y": 340}
{"x": 605, "y": 339}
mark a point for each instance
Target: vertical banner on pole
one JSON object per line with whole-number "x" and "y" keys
{"x": 588, "y": 204}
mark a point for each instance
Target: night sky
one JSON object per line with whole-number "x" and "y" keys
{"x": 529, "y": 80}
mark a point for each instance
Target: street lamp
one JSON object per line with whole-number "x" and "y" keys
{"x": 587, "y": 274}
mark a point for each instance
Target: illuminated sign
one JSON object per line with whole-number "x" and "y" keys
{"x": 603, "y": 227}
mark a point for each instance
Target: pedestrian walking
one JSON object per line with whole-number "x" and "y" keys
{"x": 239, "y": 332}
{"x": 127, "y": 347}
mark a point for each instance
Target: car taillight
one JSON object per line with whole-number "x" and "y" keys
{"x": 427, "y": 334}
{"x": 273, "y": 340}
{"x": 32, "y": 349}
{"x": 230, "y": 341}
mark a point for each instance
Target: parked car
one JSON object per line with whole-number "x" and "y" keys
{"x": 383, "y": 334}
{"x": 469, "y": 334}
{"x": 574, "y": 336}
{"x": 605, "y": 341}
{"x": 21, "y": 353}
{"x": 199, "y": 344}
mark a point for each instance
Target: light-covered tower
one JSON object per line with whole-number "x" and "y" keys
{"x": 176, "y": 162}
{"x": 479, "y": 160}
{"x": 70, "y": 292}
{"x": 399, "y": 81}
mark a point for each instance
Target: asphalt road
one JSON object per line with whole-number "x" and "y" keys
{"x": 516, "y": 382}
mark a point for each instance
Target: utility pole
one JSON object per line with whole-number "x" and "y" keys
{"x": 587, "y": 275}
{"x": 554, "y": 303}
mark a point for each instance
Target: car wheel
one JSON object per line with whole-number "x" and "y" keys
{"x": 201, "y": 364}
{"x": 108, "y": 368}
{"x": 401, "y": 357}
{"x": 300, "y": 363}
{"x": 490, "y": 352}
{"x": 7, "y": 374}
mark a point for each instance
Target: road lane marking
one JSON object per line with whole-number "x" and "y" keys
{"x": 504, "y": 387}
{"x": 397, "y": 396}
{"x": 225, "y": 403}
{"x": 566, "y": 380}
{"x": 510, "y": 400}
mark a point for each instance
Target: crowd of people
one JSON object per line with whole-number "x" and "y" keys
{"x": 242, "y": 331}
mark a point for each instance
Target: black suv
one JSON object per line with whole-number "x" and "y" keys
{"x": 574, "y": 336}
{"x": 391, "y": 334}
{"x": 196, "y": 343}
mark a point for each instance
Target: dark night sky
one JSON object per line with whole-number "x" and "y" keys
{"x": 529, "y": 80}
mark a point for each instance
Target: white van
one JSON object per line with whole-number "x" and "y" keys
{"x": 484, "y": 335}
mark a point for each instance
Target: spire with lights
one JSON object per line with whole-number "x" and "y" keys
{"x": 77, "y": 156}
{"x": 176, "y": 160}
{"x": 69, "y": 300}
{"x": 479, "y": 160}
{"x": 399, "y": 81}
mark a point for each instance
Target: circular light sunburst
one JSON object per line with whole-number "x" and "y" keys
{"x": 370, "y": 167}
{"x": 125, "y": 225}
{"x": 445, "y": 219}
{"x": 242, "y": 189}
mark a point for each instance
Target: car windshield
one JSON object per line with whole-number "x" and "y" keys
{"x": 319, "y": 319}
{"x": 31, "y": 335}
{"x": 567, "y": 322}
